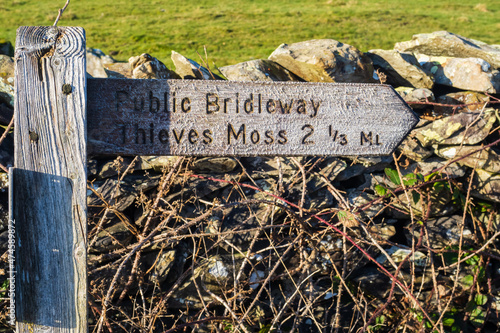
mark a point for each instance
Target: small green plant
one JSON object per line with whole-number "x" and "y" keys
{"x": 409, "y": 180}
{"x": 4, "y": 288}
{"x": 379, "y": 324}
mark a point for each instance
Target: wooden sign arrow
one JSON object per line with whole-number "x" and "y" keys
{"x": 223, "y": 118}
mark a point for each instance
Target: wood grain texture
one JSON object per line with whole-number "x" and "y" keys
{"x": 222, "y": 118}
{"x": 49, "y": 195}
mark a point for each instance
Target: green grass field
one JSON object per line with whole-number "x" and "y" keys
{"x": 235, "y": 31}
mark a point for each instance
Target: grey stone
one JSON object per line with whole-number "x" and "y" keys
{"x": 412, "y": 149}
{"x": 158, "y": 163}
{"x": 359, "y": 198}
{"x": 119, "y": 165}
{"x": 194, "y": 187}
{"x": 429, "y": 165}
{"x": 418, "y": 95}
{"x": 6, "y": 114}
{"x": 7, "y": 66}
{"x": 463, "y": 73}
{"x": 190, "y": 69}
{"x": 373, "y": 282}
{"x": 442, "y": 204}
{"x": 322, "y": 199}
{"x": 4, "y": 182}
{"x": 271, "y": 166}
{"x": 490, "y": 219}
{"x": 7, "y": 80}
{"x": 92, "y": 167}
{"x": 329, "y": 169}
{"x": 401, "y": 68}
{"x": 6, "y": 48}
{"x": 399, "y": 254}
{"x": 422, "y": 122}
{"x": 215, "y": 164}
{"x": 351, "y": 172}
{"x": 164, "y": 262}
{"x": 441, "y": 232}
{"x": 4, "y": 216}
{"x": 245, "y": 220}
{"x": 443, "y": 43}
{"x": 375, "y": 163}
{"x": 332, "y": 167}
{"x": 7, "y": 92}
{"x": 112, "y": 237}
{"x": 364, "y": 165}
{"x": 258, "y": 70}
{"x": 121, "y": 195}
{"x": 215, "y": 274}
{"x": 96, "y": 59}
{"x": 118, "y": 70}
{"x": 486, "y": 185}
{"x": 467, "y": 128}
{"x": 419, "y": 277}
{"x": 382, "y": 231}
{"x": 146, "y": 66}
{"x": 325, "y": 60}
{"x": 4, "y": 241}
{"x": 472, "y": 102}
{"x": 486, "y": 159}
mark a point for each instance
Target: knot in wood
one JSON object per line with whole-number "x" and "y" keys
{"x": 34, "y": 136}
{"x": 67, "y": 89}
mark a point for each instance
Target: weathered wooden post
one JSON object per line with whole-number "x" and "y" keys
{"x": 49, "y": 180}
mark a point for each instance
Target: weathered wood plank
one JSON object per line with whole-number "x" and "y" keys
{"x": 49, "y": 195}
{"x": 182, "y": 117}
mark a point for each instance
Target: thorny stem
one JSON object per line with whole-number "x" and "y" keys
{"x": 460, "y": 243}
{"x": 451, "y": 105}
{"x": 109, "y": 207}
{"x": 197, "y": 322}
{"x": 106, "y": 300}
{"x": 479, "y": 251}
{"x": 166, "y": 180}
{"x": 392, "y": 277}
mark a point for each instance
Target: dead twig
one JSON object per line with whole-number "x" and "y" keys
{"x": 111, "y": 289}
{"x": 61, "y": 11}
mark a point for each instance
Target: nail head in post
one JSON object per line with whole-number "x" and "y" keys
{"x": 67, "y": 89}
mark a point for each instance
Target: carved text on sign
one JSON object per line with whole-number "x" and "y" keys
{"x": 181, "y": 117}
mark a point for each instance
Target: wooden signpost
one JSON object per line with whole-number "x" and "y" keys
{"x": 214, "y": 118}
{"x": 55, "y": 103}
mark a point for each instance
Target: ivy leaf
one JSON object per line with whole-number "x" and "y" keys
{"x": 380, "y": 190}
{"x": 265, "y": 329}
{"x": 439, "y": 186}
{"x": 429, "y": 177}
{"x": 477, "y": 316}
{"x": 448, "y": 321}
{"x": 410, "y": 179}
{"x": 450, "y": 257}
{"x": 392, "y": 175}
{"x": 481, "y": 299}
{"x": 467, "y": 281}
{"x": 474, "y": 260}
{"x": 415, "y": 196}
{"x": 4, "y": 286}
